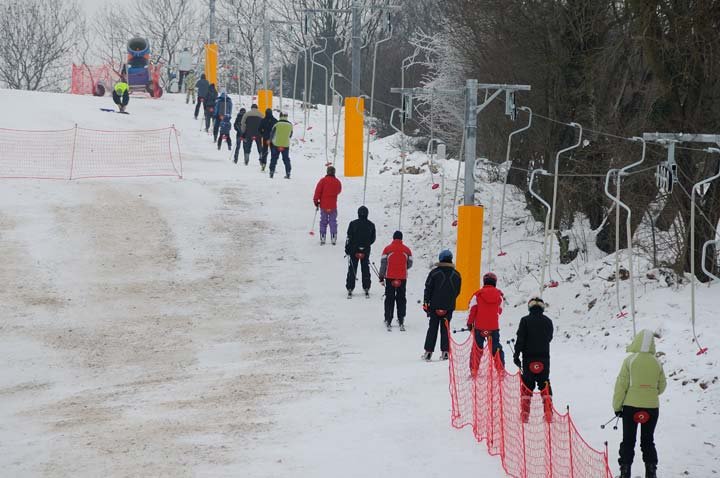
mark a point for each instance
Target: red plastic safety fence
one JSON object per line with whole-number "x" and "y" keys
{"x": 531, "y": 437}
{"x": 86, "y": 78}
{"x": 84, "y": 153}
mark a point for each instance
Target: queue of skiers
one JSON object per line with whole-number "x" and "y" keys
{"x": 270, "y": 135}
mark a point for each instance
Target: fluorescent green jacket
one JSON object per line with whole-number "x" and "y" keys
{"x": 641, "y": 378}
{"x": 121, "y": 87}
{"x": 281, "y": 133}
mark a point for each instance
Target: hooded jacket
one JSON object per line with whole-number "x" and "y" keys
{"x": 485, "y": 308}
{"x": 395, "y": 261}
{"x": 360, "y": 233}
{"x": 442, "y": 287}
{"x": 202, "y": 86}
{"x": 266, "y": 125}
{"x": 326, "y": 192}
{"x": 210, "y": 99}
{"x": 642, "y": 378}
{"x": 223, "y": 106}
{"x": 238, "y": 121}
{"x": 534, "y": 335}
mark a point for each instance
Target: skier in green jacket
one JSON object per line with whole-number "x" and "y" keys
{"x": 280, "y": 144}
{"x": 640, "y": 381}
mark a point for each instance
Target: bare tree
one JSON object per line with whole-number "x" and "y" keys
{"x": 37, "y": 38}
{"x": 242, "y": 20}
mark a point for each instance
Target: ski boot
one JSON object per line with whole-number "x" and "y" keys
{"x": 247, "y": 159}
{"x": 402, "y": 327}
{"x": 367, "y": 293}
{"x": 322, "y": 240}
{"x": 650, "y": 470}
{"x": 349, "y": 296}
{"x": 271, "y": 173}
{"x": 388, "y": 325}
{"x": 287, "y": 176}
{"x": 444, "y": 356}
{"x": 262, "y": 167}
{"x": 625, "y": 471}
{"x": 333, "y": 239}
{"x": 426, "y": 356}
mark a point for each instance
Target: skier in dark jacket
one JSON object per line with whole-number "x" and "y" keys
{"x": 265, "y": 130}
{"x": 210, "y": 99}
{"x": 250, "y": 126}
{"x": 224, "y": 131}
{"x": 202, "y": 86}
{"x": 238, "y": 134}
{"x": 223, "y": 107}
{"x": 442, "y": 287}
{"x": 534, "y": 335}
{"x": 360, "y": 236}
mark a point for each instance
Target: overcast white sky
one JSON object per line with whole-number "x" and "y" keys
{"x": 92, "y": 6}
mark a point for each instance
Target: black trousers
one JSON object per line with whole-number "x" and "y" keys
{"x": 227, "y": 138}
{"x": 431, "y": 337}
{"x": 395, "y": 295}
{"x": 121, "y": 100}
{"x": 200, "y": 101}
{"x": 532, "y": 379}
{"x": 647, "y": 436}
{"x": 181, "y": 77}
{"x": 216, "y": 128}
{"x": 274, "y": 157}
{"x": 495, "y": 336}
{"x": 352, "y": 271}
{"x": 264, "y": 149}
{"x": 247, "y": 147}
{"x": 238, "y": 143}
{"x": 208, "y": 117}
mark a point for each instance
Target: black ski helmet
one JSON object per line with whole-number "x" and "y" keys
{"x": 363, "y": 212}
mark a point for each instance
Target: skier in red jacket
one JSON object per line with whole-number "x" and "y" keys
{"x": 395, "y": 261}
{"x": 326, "y": 193}
{"x": 485, "y": 309}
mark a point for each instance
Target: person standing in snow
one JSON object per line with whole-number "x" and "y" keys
{"x": 190, "y": 87}
{"x": 224, "y": 133}
{"x": 280, "y": 136}
{"x": 483, "y": 319}
{"x": 185, "y": 66}
{"x": 210, "y": 99}
{"x": 640, "y": 382}
{"x": 360, "y": 236}
{"x": 442, "y": 287}
{"x": 223, "y": 108}
{"x": 534, "y": 334}
{"x": 265, "y": 130}
{"x": 121, "y": 94}
{"x": 238, "y": 134}
{"x": 250, "y": 126}
{"x": 327, "y": 191}
{"x": 394, "y": 264}
{"x": 203, "y": 86}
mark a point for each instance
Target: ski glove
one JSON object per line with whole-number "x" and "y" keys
{"x": 469, "y": 327}
{"x": 516, "y": 361}
{"x": 618, "y": 413}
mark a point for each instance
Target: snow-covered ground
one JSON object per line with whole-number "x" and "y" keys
{"x": 165, "y": 327}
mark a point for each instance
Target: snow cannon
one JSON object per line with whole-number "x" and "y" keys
{"x": 141, "y": 76}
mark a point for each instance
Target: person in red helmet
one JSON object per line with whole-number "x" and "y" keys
{"x": 484, "y": 317}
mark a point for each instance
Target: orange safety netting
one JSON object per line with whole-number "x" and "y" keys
{"x": 86, "y": 78}
{"x": 546, "y": 444}
{"x": 84, "y": 153}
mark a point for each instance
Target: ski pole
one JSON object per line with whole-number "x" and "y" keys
{"x": 312, "y": 229}
{"x": 510, "y": 343}
{"x": 616, "y": 419}
{"x": 375, "y": 270}
{"x": 464, "y": 329}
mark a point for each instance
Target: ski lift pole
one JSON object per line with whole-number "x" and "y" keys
{"x": 545, "y": 262}
{"x": 297, "y": 65}
{"x": 326, "y": 94}
{"x": 508, "y": 162}
{"x": 615, "y": 200}
{"x": 372, "y": 103}
{"x": 707, "y": 272}
{"x": 402, "y": 167}
{"x": 696, "y": 188}
{"x": 555, "y": 185}
{"x": 335, "y": 91}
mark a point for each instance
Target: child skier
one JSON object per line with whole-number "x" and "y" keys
{"x": 483, "y": 318}
{"x": 534, "y": 334}
{"x": 394, "y": 264}
{"x": 225, "y": 126}
{"x": 442, "y": 287}
{"x": 640, "y": 381}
